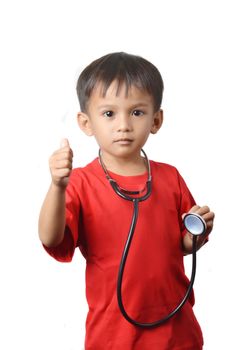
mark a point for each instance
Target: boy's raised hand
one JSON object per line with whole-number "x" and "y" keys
{"x": 60, "y": 164}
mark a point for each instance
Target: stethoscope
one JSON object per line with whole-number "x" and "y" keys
{"x": 193, "y": 223}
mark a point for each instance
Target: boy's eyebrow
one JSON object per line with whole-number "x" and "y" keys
{"x": 106, "y": 106}
{"x": 138, "y": 104}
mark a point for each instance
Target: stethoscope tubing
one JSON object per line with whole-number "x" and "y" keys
{"x": 121, "y": 273}
{"x": 128, "y": 195}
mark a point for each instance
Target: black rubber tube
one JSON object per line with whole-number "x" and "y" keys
{"x": 121, "y": 273}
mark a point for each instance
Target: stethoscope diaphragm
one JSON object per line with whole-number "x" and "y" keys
{"x": 194, "y": 224}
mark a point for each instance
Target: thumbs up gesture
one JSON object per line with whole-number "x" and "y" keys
{"x": 60, "y": 164}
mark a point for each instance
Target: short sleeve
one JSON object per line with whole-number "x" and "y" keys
{"x": 186, "y": 200}
{"x": 65, "y": 250}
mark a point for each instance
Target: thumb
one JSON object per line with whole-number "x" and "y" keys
{"x": 64, "y": 143}
{"x": 183, "y": 215}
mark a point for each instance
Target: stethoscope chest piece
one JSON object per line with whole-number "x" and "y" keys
{"x": 194, "y": 224}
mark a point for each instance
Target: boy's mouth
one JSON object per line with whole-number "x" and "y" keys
{"x": 124, "y": 141}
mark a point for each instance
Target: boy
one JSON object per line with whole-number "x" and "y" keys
{"x": 120, "y": 98}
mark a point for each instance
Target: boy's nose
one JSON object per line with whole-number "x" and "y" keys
{"x": 124, "y": 123}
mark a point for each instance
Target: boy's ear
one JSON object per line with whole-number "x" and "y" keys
{"x": 84, "y": 123}
{"x": 157, "y": 121}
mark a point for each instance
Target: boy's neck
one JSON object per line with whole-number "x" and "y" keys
{"x": 125, "y": 167}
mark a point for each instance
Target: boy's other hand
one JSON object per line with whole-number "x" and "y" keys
{"x": 208, "y": 216}
{"x": 60, "y": 164}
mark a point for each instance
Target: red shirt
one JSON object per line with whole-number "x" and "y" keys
{"x": 154, "y": 283}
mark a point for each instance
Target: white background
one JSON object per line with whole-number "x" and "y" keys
{"x": 44, "y": 46}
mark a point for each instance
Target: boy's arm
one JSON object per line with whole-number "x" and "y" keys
{"x": 52, "y": 214}
{"x": 208, "y": 216}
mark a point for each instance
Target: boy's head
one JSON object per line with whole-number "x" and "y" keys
{"x": 128, "y": 70}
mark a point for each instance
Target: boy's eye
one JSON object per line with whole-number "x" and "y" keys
{"x": 137, "y": 113}
{"x": 108, "y": 114}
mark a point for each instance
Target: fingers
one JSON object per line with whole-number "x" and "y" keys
{"x": 203, "y": 211}
{"x": 65, "y": 163}
{"x": 206, "y": 214}
{"x": 194, "y": 209}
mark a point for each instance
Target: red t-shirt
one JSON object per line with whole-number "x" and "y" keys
{"x": 154, "y": 283}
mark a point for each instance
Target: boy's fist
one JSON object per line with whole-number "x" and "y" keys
{"x": 60, "y": 164}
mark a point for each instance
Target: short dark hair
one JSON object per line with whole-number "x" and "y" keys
{"x": 126, "y": 69}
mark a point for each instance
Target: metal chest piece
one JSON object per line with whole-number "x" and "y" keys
{"x": 194, "y": 224}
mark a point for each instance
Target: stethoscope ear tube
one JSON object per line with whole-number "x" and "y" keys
{"x": 121, "y": 273}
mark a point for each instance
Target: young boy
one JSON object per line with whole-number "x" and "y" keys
{"x": 120, "y": 98}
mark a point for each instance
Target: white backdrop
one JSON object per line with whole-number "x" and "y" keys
{"x": 44, "y": 46}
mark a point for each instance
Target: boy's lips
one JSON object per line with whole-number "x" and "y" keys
{"x": 123, "y": 141}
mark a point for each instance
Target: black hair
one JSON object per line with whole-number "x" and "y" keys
{"x": 125, "y": 69}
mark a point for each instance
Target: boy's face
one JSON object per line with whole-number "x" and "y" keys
{"x": 120, "y": 122}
